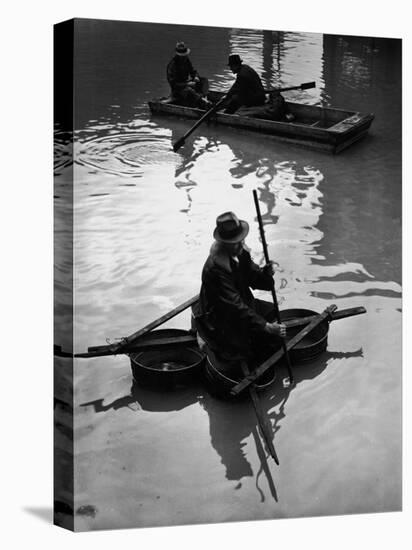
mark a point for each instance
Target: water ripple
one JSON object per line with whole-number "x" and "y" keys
{"x": 128, "y": 154}
{"x": 62, "y": 153}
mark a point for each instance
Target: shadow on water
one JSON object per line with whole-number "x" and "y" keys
{"x": 148, "y": 399}
{"x": 231, "y": 422}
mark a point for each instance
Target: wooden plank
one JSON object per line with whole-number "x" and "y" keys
{"x": 128, "y": 340}
{"x": 342, "y": 314}
{"x": 292, "y": 129}
{"x": 270, "y": 126}
{"x": 189, "y": 340}
{"x": 279, "y": 354}
{"x": 315, "y": 111}
{"x": 325, "y": 146}
{"x": 300, "y": 109}
{"x": 347, "y": 123}
{"x": 101, "y": 351}
{"x": 354, "y": 124}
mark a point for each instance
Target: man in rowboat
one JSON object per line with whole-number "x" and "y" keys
{"x": 227, "y": 316}
{"x": 247, "y": 91}
{"x": 187, "y": 87}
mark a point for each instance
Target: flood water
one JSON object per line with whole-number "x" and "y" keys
{"x": 144, "y": 218}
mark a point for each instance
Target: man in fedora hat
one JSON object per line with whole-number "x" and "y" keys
{"x": 187, "y": 87}
{"x": 227, "y": 316}
{"x": 247, "y": 91}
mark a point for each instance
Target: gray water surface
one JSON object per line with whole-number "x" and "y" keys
{"x": 144, "y": 218}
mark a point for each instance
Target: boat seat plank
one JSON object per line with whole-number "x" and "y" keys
{"x": 347, "y": 123}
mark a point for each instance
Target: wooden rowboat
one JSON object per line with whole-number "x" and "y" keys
{"x": 323, "y": 128}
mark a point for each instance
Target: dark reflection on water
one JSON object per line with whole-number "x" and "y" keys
{"x": 149, "y": 399}
{"x": 230, "y": 422}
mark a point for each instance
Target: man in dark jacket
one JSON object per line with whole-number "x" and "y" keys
{"x": 187, "y": 87}
{"x": 247, "y": 91}
{"x": 230, "y": 320}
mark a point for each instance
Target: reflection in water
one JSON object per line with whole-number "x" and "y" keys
{"x": 231, "y": 423}
{"x": 283, "y": 59}
{"x": 273, "y": 51}
{"x": 356, "y": 67}
{"x": 147, "y": 399}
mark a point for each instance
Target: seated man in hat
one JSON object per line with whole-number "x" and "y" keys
{"x": 247, "y": 91}
{"x": 188, "y": 88}
{"x": 228, "y": 318}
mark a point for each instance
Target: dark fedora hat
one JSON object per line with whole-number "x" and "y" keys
{"x": 234, "y": 59}
{"x": 182, "y": 49}
{"x": 229, "y": 229}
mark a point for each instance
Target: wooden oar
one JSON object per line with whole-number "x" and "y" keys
{"x": 275, "y": 301}
{"x": 304, "y": 86}
{"x": 181, "y": 141}
{"x": 127, "y": 341}
{"x": 279, "y": 354}
{"x": 262, "y": 420}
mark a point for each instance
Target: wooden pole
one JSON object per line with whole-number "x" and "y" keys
{"x": 275, "y": 301}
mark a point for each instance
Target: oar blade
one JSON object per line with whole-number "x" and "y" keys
{"x": 308, "y": 85}
{"x": 178, "y": 144}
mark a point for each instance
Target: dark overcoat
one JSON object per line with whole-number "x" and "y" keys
{"x": 178, "y": 72}
{"x": 248, "y": 87}
{"x": 226, "y": 314}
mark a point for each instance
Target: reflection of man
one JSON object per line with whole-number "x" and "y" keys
{"x": 229, "y": 428}
{"x": 247, "y": 91}
{"x": 232, "y": 322}
{"x": 187, "y": 86}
